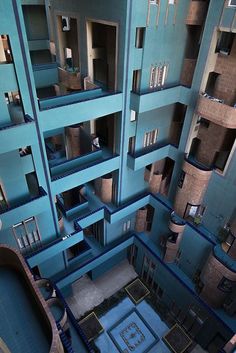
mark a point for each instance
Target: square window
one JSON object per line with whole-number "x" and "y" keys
{"x": 232, "y": 3}
{"x": 154, "y": 2}
{"x": 226, "y": 285}
{"x": 181, "y": 179}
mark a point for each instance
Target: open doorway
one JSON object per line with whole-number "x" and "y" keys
{"x": 102, "y": 39}
{"x": 68, "y": 42}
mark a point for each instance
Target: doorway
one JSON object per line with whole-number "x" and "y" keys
{"x": 67, "y": 31}
{"x": 102, "y": 39}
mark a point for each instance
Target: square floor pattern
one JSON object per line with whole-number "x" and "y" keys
{"x": 177, "y": 339}
{"x": 91, "y": 326}
{"x": 132, "y": 334}
{"x": 137, "y": 291}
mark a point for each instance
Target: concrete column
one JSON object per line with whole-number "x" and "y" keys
{"x": 212, "y": 275}
{"x": 173, "y": 247}
{"x": 103, "y": 187}
{"x": 191, "y": 188}
{"x": 73, "y": 141}
{"x": 141, "y": 217}
{"x": 155, "y": 183}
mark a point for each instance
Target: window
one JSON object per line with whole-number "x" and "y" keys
{"x": 13, "y": 98}
{"x": 204, "y": 123}
{"x": 226, "y": 285}
{"x": 126, "y": 226}
{"x": 172, "y": 238}
{"x": 230, "y": 239}
{"x": 154, "y": 2}
{"x": 131, "y": 144}
{"x": 162, "y": 74}
{"x": 5, "y": 55}
{"x": 140, "y": 31}
{"x": 158, "y": 75}
{"x": 27, "y": 235}
{"x": 136, "y": 80}
{"x": 172, "y": 2}
{"x": 3, "y": 201}
{"x": 152, "y": 77}
{"x": 133, "y": 115}
{"x": 181, "y": 179}
{"x": 68, "y": 57}
{"x": 178, "y": 256}
{"x": 232, "y": 3}
{"x": 65, "y": 23}
{"x": 150, "y": 138}
{"x": 225, "y": 42}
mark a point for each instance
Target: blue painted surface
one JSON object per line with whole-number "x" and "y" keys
{"x": 54, "y": 102}
{"x": 163, "y": 43}
{"x": 20, "y": 324}
{"x": 118, "y": 318}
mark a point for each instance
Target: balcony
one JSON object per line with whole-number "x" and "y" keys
{"x": 150, "y": 155}
{"x": 8, "y": 78}
{"x": 14, "y": 136}
{"x": 69, "y": 210}
{"x": 196, "y": 13}
{"x": 153, "y": 99}
{"x": 219, "y": 113}
{"x": 95, "y": 103}
{"x": 31, "y": 205}
{"x": 84, "y": 173}
{"x": 67, "y": 166}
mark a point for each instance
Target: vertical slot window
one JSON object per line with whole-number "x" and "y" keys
{"x": 5, "y": 50}
{"x": 152, "y": 77}
{"x": 139, "y": 40}
{"x": 3, "y": 201}
{"x": 131, "y": 145}
{"x": 136, "y": 80}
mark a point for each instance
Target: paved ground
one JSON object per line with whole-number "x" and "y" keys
{"x": 87, "y": 293}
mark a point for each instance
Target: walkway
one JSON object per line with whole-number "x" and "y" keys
{"x": 87, "y": 293}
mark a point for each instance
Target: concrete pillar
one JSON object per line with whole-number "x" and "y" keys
{"x": 141, "y": 217}
{"x": 191, "y": 187}
{"x": 155, "y": 183}
{"x": 103, "y": 187}
{"x": 172, "y": 247}
{"x": 213, "y": 273}
{"x": 73, "y": 141}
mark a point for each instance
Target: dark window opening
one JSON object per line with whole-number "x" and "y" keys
{"x": 181, "y": 179}
{"x": 139, "y": 40}
{"x": 225, "y": 42}
{"x": 136, "y": 80}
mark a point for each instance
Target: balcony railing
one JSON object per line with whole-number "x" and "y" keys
{"x": 7, "y": 208}
{"x": 217, "y": 112}
{"x": 27, "y": 119}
